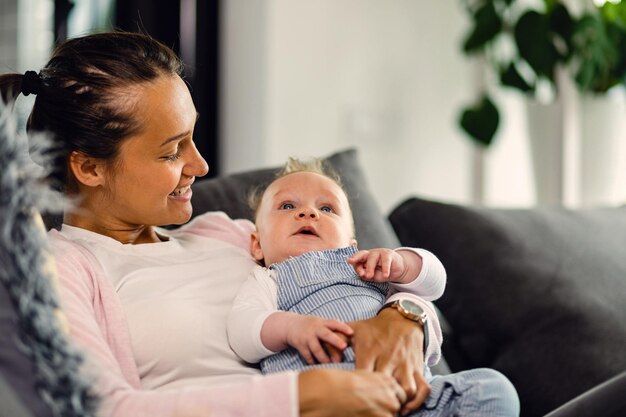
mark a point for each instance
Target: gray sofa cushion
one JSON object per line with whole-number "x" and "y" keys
{"x": 229, "y": 194}
{"x": 539, "y": 294}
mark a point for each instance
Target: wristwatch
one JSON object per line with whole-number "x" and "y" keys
{"x": 412, "y": 311}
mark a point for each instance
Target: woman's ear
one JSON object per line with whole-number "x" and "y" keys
{"x": 255, "y": 246}
{"x": 87, "y": 170}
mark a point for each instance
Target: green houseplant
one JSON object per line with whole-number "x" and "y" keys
{"x": 537, "y": 41}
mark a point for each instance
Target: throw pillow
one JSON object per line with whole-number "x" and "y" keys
{"x": 38, "y": 364}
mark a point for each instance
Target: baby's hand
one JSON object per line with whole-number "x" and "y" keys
{"x": 309, "y": 332}
{"x": 336, "y": 355}
{"x": 379, "y": 265}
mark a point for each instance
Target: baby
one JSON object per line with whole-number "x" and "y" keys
{"x": 292, "y": 312}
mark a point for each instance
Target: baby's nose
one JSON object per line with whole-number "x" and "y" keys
{"x": 307, "y": 213}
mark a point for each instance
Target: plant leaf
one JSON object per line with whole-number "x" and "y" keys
{"x": 487, "y": 25}
{"x": 534, "y": 43}
{"x": 562, "y": 25}
{"x": 481, "y": 122}
{"x": 597, "y": 52}
{"x": 511, "y": 77}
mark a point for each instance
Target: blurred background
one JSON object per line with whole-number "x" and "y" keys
{"x": 276, "y": 78}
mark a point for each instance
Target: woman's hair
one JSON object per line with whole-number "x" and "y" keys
{"x": 293, "y": 165}
{"x": 85, "y": 95}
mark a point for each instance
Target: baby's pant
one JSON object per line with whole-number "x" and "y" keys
{"x": 478, "y": 392}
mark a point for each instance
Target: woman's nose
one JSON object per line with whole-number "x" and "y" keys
{"x": 197, "y": 165}
{"x": 307, "y": 213}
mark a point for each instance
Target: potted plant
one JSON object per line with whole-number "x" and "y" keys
{"x": 599, "y": 62}
{"x": 543, "y": 39}
{"x": 528, "y": 46}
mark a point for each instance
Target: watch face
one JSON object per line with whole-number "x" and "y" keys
{"x": 410, "y": 307}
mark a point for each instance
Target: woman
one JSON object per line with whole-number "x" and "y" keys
{"x": 148, "y": 305}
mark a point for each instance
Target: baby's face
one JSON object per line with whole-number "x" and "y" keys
{"x": 301, "y": 212}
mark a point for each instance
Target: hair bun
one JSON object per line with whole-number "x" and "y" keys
{"x": 31, "y": 83}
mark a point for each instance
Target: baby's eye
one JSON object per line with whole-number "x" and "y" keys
{"x": 287, "y": 206}
{"x": 326, "y": 209}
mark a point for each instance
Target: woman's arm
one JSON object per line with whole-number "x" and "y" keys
{"x": 336, "y": 392}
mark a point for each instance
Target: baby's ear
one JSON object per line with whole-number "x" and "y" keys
{"x": 255, "y": 246}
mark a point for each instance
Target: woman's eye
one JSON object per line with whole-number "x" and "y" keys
{"x": 174, "y": 156}
{"x": 326, "y": 209}
{"x": 287, "y": 206}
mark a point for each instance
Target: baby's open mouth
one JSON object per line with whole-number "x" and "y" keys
{"x": 306, "y": 231}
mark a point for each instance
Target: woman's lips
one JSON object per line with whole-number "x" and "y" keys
{"x": 181, "y": 194}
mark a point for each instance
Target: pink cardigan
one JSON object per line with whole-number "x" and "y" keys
{"x": 98, "y": 325}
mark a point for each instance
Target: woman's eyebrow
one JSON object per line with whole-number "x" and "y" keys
{"x": 175, "y": 138}
{"x": 180, "y": 136}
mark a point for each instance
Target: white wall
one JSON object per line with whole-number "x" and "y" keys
{"x": 307, "y": 78}
{"x": 8, "y": 36}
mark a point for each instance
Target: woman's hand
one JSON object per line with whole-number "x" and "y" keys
{"x": 392, "y": 344}
{"x": 336, "y": 392}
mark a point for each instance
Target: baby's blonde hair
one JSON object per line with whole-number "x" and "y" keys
{"x": 293, "y": 165}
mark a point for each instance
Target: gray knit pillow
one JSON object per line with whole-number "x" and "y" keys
{"x": 38, "y": 365}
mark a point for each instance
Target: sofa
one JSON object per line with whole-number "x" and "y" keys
{"x": 538, "y": 294}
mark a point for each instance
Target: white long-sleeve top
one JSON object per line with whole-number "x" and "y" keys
{"x": 257, "y": 299}
{"x": 165, "y": 358}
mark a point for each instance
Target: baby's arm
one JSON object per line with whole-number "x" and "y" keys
{"x": 430, "y": 281}
{"x": 382, "y": 265}
{"x": 257, "y": 329}
{"x": 306, "y": 334}
{"x": 255, "y": 301}
{"x": 416, "y": 271}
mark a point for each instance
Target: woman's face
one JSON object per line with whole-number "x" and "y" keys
{"x": 150, "y": 182}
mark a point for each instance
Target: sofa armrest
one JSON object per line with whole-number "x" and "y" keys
{"x": 604, "y": 400}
